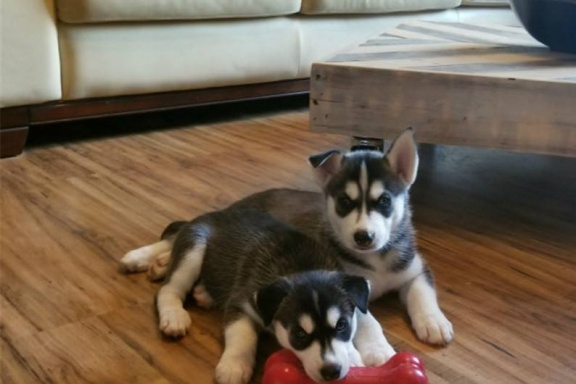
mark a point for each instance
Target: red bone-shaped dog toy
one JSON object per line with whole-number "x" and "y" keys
{"x": 283, "y": 367}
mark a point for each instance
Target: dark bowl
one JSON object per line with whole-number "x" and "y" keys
{"x": 552, "y": 22}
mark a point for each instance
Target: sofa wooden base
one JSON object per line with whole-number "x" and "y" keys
{"x": 15, "y": 130}
{"x": 14, "y": 124}
{"x": 12, "y": 141}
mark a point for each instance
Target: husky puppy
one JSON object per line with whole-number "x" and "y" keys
{"x": 364, "y": 214}
{"x": 263, "y": 273}
{"x": 367, "y": 214}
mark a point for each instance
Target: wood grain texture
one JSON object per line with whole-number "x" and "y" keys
{"x": 521, "y": 115}
{"x": 497, "y": 228}
{"x": 457, "y": 83}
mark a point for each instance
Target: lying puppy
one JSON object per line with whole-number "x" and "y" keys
{"x": 263, "y": 273}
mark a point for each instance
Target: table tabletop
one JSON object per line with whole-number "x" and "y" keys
{"x": 461, "y": 48}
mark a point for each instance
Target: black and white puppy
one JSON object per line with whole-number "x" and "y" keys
{"x": 262, "y": 273}
{"x": 368, "y": 215}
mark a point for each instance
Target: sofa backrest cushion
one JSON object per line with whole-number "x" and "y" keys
{"x": 96, "y": 11}
{"x": 318, "y": 7}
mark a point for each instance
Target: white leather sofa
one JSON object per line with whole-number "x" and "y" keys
{"x": 69, "y": 59}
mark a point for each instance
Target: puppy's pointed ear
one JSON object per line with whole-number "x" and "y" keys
{"x": 358, "y": 288}
{"x": 403, "y": 157}
{"x": 269, "y": 298}
{"x": 325, "y": 165}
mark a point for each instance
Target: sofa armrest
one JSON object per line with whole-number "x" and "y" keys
{"x": 29, "y": 55}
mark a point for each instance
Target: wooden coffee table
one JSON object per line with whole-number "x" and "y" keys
{"x": 456, "y": 84}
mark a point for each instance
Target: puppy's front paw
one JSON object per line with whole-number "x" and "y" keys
{"x": 234, "y": 370}
{"x": 433, "y": 328}
{"x": 376, "y": 353}
{"x": 174, "y": 322}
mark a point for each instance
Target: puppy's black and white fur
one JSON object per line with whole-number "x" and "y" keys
{"x": 364, "y": 217}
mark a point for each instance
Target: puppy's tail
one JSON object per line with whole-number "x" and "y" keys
{"x": 172, "y": 229}
{"x": 195, "y": 232}
{"x": 159, "y": 267}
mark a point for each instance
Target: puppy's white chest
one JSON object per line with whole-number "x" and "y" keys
{"x": 379, "y": 284}
{"x": 383, "y": 281}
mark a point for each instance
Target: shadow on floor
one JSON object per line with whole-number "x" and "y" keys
{"x": 93, "y": 129}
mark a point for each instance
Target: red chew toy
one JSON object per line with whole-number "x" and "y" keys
{"x": 283, "y": 367}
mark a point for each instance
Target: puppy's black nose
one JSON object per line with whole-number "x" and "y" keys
{"x": 330, "y": 372}
{"x": 364, "y": 238}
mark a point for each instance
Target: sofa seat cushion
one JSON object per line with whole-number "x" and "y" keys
{"x": 111, "y": 59}
{"x": 318, "y": 7}
{"x": 96, "y": 11}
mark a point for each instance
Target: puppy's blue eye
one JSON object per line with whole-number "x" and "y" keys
{"x": 300, "y": 334}
{"x": 384, "y": 200}
{"x": 341, "y": 325}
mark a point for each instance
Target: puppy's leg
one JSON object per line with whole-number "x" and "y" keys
{"x": 174, "y": 319}
{"x": 202, "y": 297}
{"x": 159, "y": 267}
{"x": 370, "y": 340}
{"x": 427, "y": 318}
{"x": 139, "y": 260}
{"x": 237, "y": 361}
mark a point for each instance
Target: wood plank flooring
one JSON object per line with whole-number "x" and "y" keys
{"x": 499, "y": 229}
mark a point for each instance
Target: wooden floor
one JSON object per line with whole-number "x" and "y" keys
{"x": 499, "y": 229}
